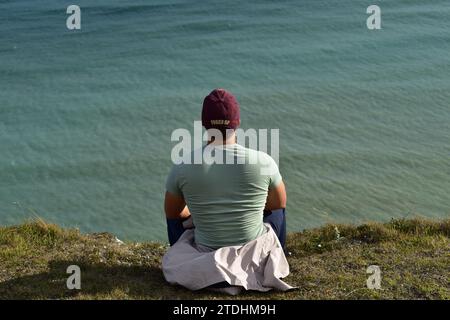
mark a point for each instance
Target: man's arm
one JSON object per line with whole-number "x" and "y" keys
{"x": 175, "y": 207}
{"x": 276, "y": 197}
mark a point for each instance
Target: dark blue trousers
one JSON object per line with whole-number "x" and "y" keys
{"x": 276, "y": 218}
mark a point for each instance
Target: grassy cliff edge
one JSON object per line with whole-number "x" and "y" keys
{"x": 326, "y": 263}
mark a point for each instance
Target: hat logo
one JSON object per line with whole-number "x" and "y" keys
{"x": 220, "y": 122}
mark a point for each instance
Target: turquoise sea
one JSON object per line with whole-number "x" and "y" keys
{"x": 86, "y": 115}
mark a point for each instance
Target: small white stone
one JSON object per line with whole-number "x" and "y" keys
{"x": 117, "y": 240}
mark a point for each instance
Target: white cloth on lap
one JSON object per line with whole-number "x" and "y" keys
{"x": 256, "y": 265}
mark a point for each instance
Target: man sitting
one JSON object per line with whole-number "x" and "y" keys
{"x": 237, "y": 209}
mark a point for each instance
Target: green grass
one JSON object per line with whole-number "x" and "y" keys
{"x": 326, "y": 263}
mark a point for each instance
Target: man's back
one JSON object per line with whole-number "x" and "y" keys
{"x": 226, "y": 200}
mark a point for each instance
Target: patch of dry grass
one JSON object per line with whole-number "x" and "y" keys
{"x": 326, "y": 263}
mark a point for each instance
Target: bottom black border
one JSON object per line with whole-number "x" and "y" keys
{"x": 226, "y": 309}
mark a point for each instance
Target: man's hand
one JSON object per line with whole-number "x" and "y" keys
{"x": 175, "y": 207}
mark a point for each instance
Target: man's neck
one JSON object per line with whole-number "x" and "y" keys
{"x": 229, "y": 140}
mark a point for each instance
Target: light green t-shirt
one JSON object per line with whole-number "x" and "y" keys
{"x": 226, "y": 200}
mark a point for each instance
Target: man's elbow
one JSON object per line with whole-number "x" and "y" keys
{"x": 275, "y": 205}
{"x": 276, "y": 198}
{"x": 283, "y": 204}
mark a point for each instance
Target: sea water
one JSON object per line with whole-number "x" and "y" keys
{"x": 86, "y": 115}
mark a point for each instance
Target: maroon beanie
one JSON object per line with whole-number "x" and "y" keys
{"x": 220, "y": 110}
